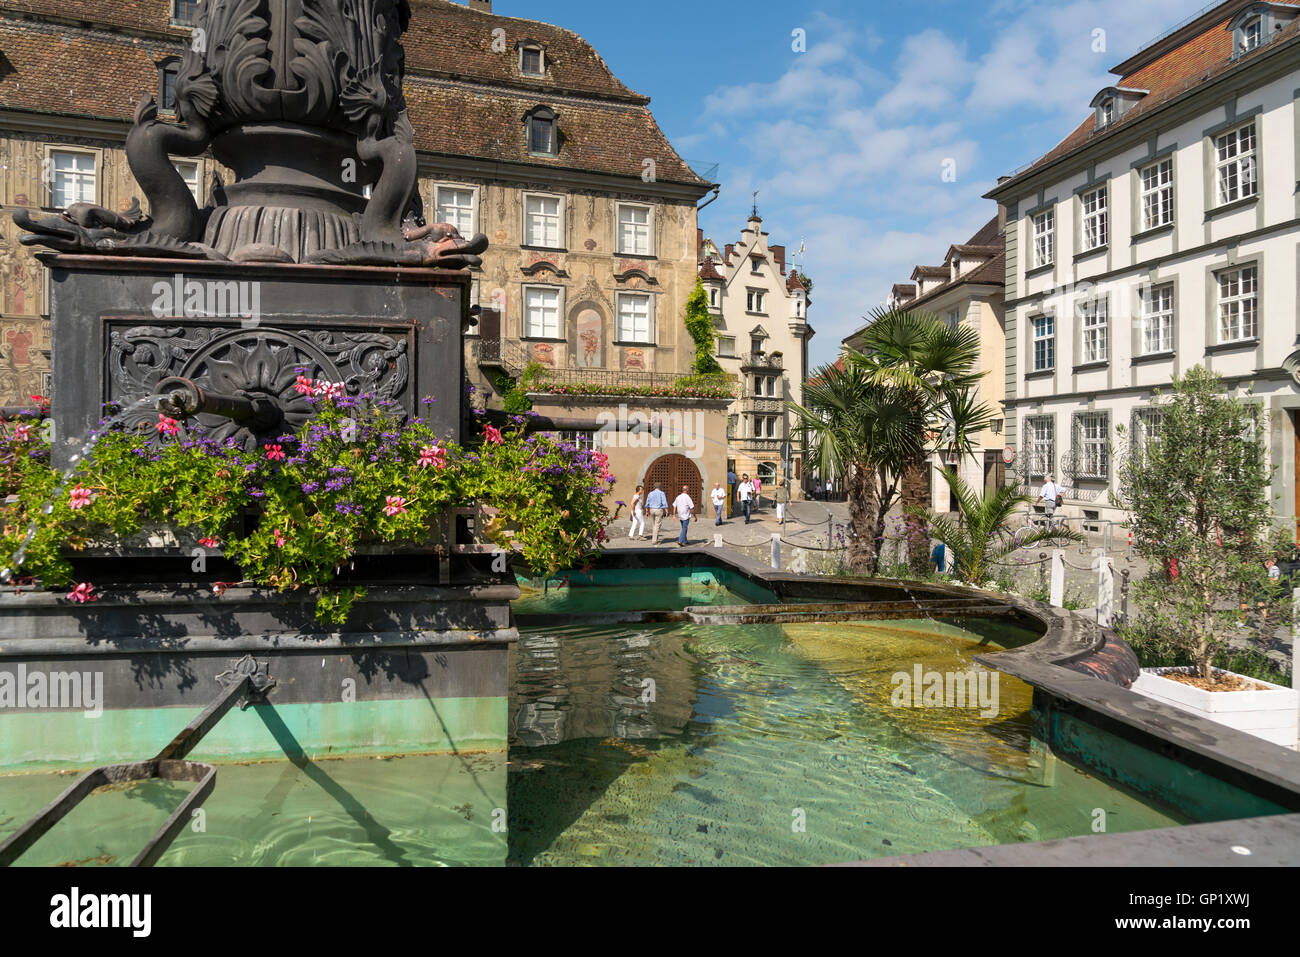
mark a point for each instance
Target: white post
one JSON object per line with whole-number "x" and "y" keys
{"x": 1057, "y": 598}
{"x": 1295, "y": 638}
{"x": 776, "y": 550}
{"x": 717, "y": 539}
{"x": 1105, "y": 589}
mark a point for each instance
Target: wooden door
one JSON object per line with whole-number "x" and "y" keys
{"x": 672, "y": 472}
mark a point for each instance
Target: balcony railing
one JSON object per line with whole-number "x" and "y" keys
{"x": 750, "y": 444}
{"x": 753, "y": 403}
{"x": 761, "y": 360}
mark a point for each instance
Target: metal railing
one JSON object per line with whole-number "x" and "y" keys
{"x": 761, "y": 360}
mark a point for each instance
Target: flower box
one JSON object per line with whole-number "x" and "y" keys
{"x": 1272, "y": 713}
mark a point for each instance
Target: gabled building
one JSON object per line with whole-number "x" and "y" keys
{"x": 1161, "y": 234}
{"x": 967, "y": 289}
{"x": 760, "y": 310}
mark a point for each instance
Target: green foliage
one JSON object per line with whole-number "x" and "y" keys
{"x": 291, "y": 512}
{"x": 700, "y": 325}
{"x": 1154, "y": 650}
{"x": 1197, "y": 498}
{"x": 514, "y": 393}
{"x": 980, "y": 538}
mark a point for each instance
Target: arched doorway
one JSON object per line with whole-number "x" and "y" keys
{"x": 672, "y": 472}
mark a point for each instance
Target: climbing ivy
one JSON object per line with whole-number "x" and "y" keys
{"x": 700, "y": 325}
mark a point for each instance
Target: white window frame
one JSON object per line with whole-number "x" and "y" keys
{"x": 52, "y": 153}
{"x": 1146, "y": 428}
{"x": 542, "y": 330}
{"x": 1252, "y": 29}
{"x": 713, "y": 297}
{"x": 754, "y": 301}
{"x": 730, "y": 351}
{"x": 1041, "y": 435}
{"x": 1236, "y": 165}
{"x": 196, "y": 190}
{"x": 1047, "y": 338}
{"x": 1094, "y": 331}
{"x": 1156, "y": 334}
{"x": 1238, "y": 303}
{"x": 559, "y": 221}
{"x": 620, "y": 327}
{"x": 472, "y": 209}
{"x": 1093, "y": 437}
{"x": 1095, "y": 221}
{"x": 1157, "y": 188}
{"x": 642, "y": 239}
{"x": 1044, "y": 229}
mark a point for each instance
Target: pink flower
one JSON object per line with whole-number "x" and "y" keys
{"x": 279, "y": 539}
{"x": 275, "y": 453}
{"x": 83, "y": 593}
{"x": 22, "y": 433}
{"x": 330, "y": 390}
{"x": 433, "y": 456}
{"x": 167, "y": 426}
{"x": 209, "y": 542}
{"x": 396, "y": 505}
{"x": 492, "y": 434}
{"x": 304, "y": 386}
{"x": 80, "y": 498}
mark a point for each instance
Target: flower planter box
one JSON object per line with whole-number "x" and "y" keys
{"x": 1272, "y": 714}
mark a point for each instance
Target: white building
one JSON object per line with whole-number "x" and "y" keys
{"x": 760, "y": 311}
{"x": 1161, "y": 234}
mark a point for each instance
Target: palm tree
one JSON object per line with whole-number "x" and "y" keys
{"x": 979, "y": 537}
{"x": 934, "y": 363}
{"x": 863, "y": 431}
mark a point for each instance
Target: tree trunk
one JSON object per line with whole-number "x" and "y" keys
{"x": 914, "y": 529}
{"x": 864, "y": 510}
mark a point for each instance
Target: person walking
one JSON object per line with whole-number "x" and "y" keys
{"x": 731, "y": 491}
{"x": 638, "y": 514}
{"x": 781, "y": 496}
{"x": 1049, "y": 495}
{"x": 657, "y": 502}
{"x": 745, "y": 493}
{"x": 685, "y": 509}
{"x": 758, "y": 492}
{"x": 719, "y": 498}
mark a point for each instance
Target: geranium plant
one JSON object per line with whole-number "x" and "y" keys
{"x": 294, "y": 509}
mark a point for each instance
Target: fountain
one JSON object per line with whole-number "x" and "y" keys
{"x": 313, "y": 263}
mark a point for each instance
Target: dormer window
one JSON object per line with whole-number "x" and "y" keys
{"x": 543, "y": 133}
{"x": 532, "y": 60}
{"x": 1252, "y": 33}
{"x": 1106, "y": 112}
{"x": 185, "y": 13}
{"x": 1256, "y": 24}
{"x": 168, "y": 72}
{"x": 1113, "y": 102}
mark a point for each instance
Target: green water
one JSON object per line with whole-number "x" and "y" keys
{"x": 664, "y": 744}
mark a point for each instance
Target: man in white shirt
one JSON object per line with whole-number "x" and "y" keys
{"x": 719, "y": 498}
{"x": 685, "y": 509}
{"x": 1048, "y": 495}
{"x": 746, "y": 495}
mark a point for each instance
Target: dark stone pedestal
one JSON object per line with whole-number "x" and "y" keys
{"x": 119, "y": 326}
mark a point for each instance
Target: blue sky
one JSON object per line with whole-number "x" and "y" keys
{"x": 847, "y": 142}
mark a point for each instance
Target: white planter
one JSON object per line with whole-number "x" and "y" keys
{"x": 1272, "y": 714}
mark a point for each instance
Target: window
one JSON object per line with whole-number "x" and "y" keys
{"x": 1041, "y": 442}
{"x": 1044, "y": 238}
{"x": 456, "y": 206}
{"x": 1093, "y": 329}
{"x": 168, "y": 72}
{"x": 1252, "y": 32}
{"x": 74, "y": 178}
{"x": 541, "y": 312}
{"x": 713, "y": 297}
{"x": 1044, "y": 343}
{"x": 1158, "y": 320}
{"x": 543, "y": 137}
{"x": 754, "y": 302}
{"x": 1106, "y": 112}
{"x": 1146, "y": 428}
{"x": 634, "y": 318}
{"x": 532, "y": 61}
{"x": 1094, "y": 445}
{"x": 798, "y": 307}
{"x": 1238, "y": 299}
{"x": 727, "y": 346}
{"x": 634, "y": 230}
{"x": 756, "y": 345}
{"x": 190, "y": 173}
{"x": 1096, "y": 229}
{"x": 185, "y": 12}
{"x": 1236, "y": 164}
{"x": 542, "y": 221}
{"x": 953, "y": 318}
{"x": 1158, "y": 194}
{"x": 755, "y": 265}
{"x": 765, "y": 427}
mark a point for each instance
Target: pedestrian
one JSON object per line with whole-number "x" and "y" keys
{"x": 746, "y": 495}
{"x": 638, "y": 514}
{"x": 938, "y": 557}
{"x": 685, "y": 509}
{"x": 781, "y": 496}
{"x": 758, "y": 492}
{"x": 1050, "y": 496}
{"x": 657, "y": 502}
{"x": 719, "y": 498}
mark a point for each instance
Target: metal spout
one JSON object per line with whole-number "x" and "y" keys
{"x": 182, "y": 398}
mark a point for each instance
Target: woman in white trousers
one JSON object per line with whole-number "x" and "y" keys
{"x": 638, "y": 514}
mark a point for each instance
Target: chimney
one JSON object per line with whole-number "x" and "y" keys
{"x": 482, "y": 6}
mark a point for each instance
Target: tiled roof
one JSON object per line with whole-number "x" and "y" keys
{"x": 1192, "y": 63}
{"x": 709, "y": 271}
{"x": 930, "y": 272}
{"x": 794, "y": 281}
{"x": 992, "y": 272}
{"x": 972, "y": 251}
{"x": 904, "y": 290}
